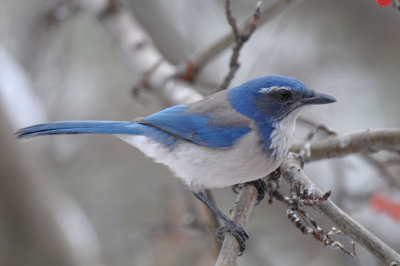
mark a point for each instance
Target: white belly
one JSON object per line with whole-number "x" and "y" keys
{"x": 202, "y": 167}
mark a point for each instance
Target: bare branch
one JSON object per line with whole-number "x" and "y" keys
{"x": 231, "y": 19}
{"x": 240, "y": 215}
{"x": 381, "y": 167}
{"x": 146, "y": 62}
{"x": 214, "y": 50}
{"x": 359, "y": 142}
{"x": 240, "y": 40}
{"x": 293, "y": 174}
{"x": 297, "y": 215}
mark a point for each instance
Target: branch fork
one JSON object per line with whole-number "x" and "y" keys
{"x": 240, "y": 40}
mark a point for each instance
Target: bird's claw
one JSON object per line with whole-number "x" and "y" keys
{"x": 261, "y": 187}
{"x": 235, "y": 188}
{"x": 237, "y": 231}
{"x": 259, "y": 184}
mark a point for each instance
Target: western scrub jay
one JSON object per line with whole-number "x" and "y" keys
{"x": 233, "y": 136}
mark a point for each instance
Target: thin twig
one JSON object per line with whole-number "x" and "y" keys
{"x": 240, "y": 40}
{"x": 305, "y": 150}
{"x": 293, "y": 174}
{"x": 214, "y": 50}
{"x": 359, "y": 142}
{"x": 300, "y": 218}
{"x": 231, "y": 20}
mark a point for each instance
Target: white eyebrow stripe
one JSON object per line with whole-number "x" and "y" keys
{"x": 263, "y": 90}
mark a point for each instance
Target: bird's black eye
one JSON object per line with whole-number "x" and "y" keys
{"x": 284, "y": 95}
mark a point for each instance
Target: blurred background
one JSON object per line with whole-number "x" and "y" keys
{"x": 93, "y": 200}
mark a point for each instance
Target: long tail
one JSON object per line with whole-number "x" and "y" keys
{"x": 82, "y": 127}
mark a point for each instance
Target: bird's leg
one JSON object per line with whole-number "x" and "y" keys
{"x": 236, "y": 230}
{"x": 259, "y": 184}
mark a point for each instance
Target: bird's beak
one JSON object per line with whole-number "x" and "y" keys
{"x": 317, "y": 98}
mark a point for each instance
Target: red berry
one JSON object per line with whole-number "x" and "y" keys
{"x": 384, "y": 2}
{"x": 379, "y": 203}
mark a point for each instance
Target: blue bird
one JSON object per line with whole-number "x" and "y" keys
{"x": 233, "y": 136}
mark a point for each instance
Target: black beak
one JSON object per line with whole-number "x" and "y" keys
{"x": 317, "y": 98}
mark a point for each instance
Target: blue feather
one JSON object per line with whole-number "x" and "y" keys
{"x": 101, "y": 127}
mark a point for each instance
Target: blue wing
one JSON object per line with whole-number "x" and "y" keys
{"x": 201, "y": 129}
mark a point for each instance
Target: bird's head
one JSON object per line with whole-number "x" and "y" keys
{"x": 273, "y": 98}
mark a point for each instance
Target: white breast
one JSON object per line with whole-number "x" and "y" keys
{"x": 202, "y": 167}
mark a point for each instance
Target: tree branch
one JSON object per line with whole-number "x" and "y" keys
{"x": 359, "y": 142}
{"x": 240, "y": 40}
{"x": 293, "y": 174}
{"x": 240, "y": 215}
{"x": 214, "y": 50}
{"x": 146, "y": 62}
{"x": 381, "y": 167}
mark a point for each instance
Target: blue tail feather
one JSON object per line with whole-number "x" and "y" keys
{"x": 81, "y": 127}
{"x": 99, "y": 127}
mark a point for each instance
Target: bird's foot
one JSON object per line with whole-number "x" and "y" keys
{"x": 237, "y": 231}
{"x": 261, "y": 187}
{"x": 259, "y": 184}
